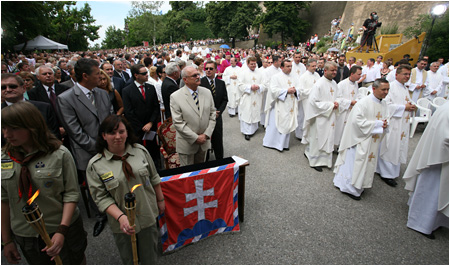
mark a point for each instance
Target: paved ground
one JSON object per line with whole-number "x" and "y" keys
{"x": 294, "y": 215}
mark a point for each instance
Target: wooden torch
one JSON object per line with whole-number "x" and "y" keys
{"x": 130, "y": 207}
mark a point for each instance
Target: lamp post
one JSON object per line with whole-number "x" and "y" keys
{"x": 435, "y": 12}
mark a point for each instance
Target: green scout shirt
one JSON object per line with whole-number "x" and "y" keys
{"x": 108, "y": 185}
{"x": 55, "y": 175}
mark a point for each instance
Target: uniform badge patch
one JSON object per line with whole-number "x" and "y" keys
{"x": 48, "y": 184}
{"x": 8, "y": 165}
{"x": 107, "y": 177}
{"x": 39, "y": 165}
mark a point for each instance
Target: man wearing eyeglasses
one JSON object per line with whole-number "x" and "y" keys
{"x": 141, "y": 108}
{"x": 219, "y": 92}
{"x": 194, "y": 118}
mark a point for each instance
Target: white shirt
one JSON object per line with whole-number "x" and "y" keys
{"x": 372, "y": 73}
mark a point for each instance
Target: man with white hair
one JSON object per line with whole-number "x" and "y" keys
{"x": 170, "y": 85}
{"x": 231, "y": 79}
{"x": 434, "y": 82}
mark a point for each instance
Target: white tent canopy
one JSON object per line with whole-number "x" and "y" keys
{"x": 41, "y": 43}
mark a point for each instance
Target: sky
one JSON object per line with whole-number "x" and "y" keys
{"x": 109, "y": 13}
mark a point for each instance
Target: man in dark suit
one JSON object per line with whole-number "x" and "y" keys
{"x": 65, "y": 74}
{"x": 117, "y": 83}
{"x": 140, "y": 102}
{"x": 12, "y": 92}
{"x": 72, "y": 79}
{"x": 119, "y": 71}
{"x": 47, "y": 90}
{"x": 320, "y": 65}
{"x": 170, "y": 85}
{"x": 81, "y": 110}
{"x": 342, "y": 72}
{"x": 219, "y": 92}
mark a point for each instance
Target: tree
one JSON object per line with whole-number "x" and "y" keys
{"x": 231, "y": 19}
{"x": 438, "y": 40}
{"x": 175, "y": 25}
{"x": 114, "y": 38}
{"x": 72, "y": 26}
{"x": 22, "y": 21}
{"x": 144, "y": 23}
{"x": 284, "y": 18}
{"x": 182, "y": 5}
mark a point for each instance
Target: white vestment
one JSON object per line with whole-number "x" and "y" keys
{"x": 427, "y": 176}
{"x": 281, "y": 111}
{"x": 416, "y": 94}
{"x": 268, "y": 74}
{"x": 250, "y": 101}
{"x": 232, "y": 88}
{"x": 298, "y": 70}
{"x": 320, "y": 122}
{"x": 434, "y": 83}
{"x": 346, "y": 93}
{"x": 358, "y": 152}
{"x": 394, "y": 147}
{"x": 444, "y": 72}
{"x": 306, "y": 82}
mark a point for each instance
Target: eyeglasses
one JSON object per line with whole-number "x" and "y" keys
{"x": 209, "y": 68}
{"x": 269, "y": 62}
{"x": 195, "y": 75}
{"x": 11, "y": 86}
{"x": 143, "y": 73}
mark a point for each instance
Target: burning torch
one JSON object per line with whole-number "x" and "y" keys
{"x": 35, "y": 218}
{"x": 130, "y": 207}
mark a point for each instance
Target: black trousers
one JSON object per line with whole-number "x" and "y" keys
{"x": 217, "y": 139}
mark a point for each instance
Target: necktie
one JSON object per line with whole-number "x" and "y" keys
{"x": 341, "y": 70}
{"x": 52, "y": 97}
{"x": 91, "y": 97}
{"x": 126, "y": 167}
{"x": 142, "y": 91}
{"x": 25, "y": 184}
{"x": 123, "y": 76}
{"x": 213, "y": 89}
{"x": 195, "y": 95}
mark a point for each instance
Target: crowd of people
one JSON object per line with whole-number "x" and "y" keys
{"x": 90, "y": 118}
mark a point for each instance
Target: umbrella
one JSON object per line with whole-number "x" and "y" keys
{"x": 225, "y": 46}
{"x": 333, "y": 49}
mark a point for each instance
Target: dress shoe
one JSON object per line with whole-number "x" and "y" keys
{"x": 389, "y": 181}
{"x": 317, "y": 168}
{"x": 98, "y": 227}
{"x": 429, "y": 236}
{"x": 247, "y": 137}
{"x": 352, "y": 196}
{"x": 285, "y": 149}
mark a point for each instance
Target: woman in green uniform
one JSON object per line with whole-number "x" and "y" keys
{"x": 32, "y": 159}
{"x": 120, "y": 164}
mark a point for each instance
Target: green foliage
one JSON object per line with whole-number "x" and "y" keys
{"x": 144, "y": 28}
{"x": 56, "y": 20}
{"x": 283, "y": 17}
{"x": 198, "y": 31}
{"x": 438, "y": 40}
{"x": 182, "y": 5}
{"x": 114, "y": 38}
{"x": 389, "y": 29}
{"x": 231, "y": 19}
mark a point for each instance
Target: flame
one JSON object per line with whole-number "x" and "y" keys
{"x": 33, "y": 198}
{"x": 134, "y": 187}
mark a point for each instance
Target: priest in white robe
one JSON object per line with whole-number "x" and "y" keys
{"x": 306, "y": 82}
{"x": 298, "y": 69}
{"x": 434, "y": 82}
{"x": 347, "y": 96}
{"x": 357, "y": 160}
{"x": 417, "y": 81}
{"x": 394, "y": 147}
{"x": 268, "y": 74}
{"x": 443, "y": 70}
{"x": 426, "y": 176}
{"x": 251, "y": 87}
{"x": 281, "y": 108}
{"x": 231, "y": 80}
{"x": 320, "y": 120}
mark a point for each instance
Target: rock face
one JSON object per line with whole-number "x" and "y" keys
{"x": 403, "y": 13}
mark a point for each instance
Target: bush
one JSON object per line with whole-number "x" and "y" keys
{"x": 389, "y": 29}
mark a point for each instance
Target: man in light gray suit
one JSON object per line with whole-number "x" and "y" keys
{"x": 81, "y": 110}
{"x": 194, "y": 118}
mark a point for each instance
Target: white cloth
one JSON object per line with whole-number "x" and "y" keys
{"x": 306, "y": 83}
{"x": 346, "y": 93}
{"x": 434, "y": 83}
{"x": 416, "y": 94}
{"x": 432, "y": 153}
{"x": 232, "y": 86}
{"x": 268, "y": 74}
{"x": 371, "y": 73}
{"x": 250, "y": 103}
{"x": 443, "y": 70}
{"x": 320, "y": 117}
{"x": 273, "y": 138}
{"x": 394, "y": 147}
{"x": 157, "y": 84}
{"x": 391, "y": 76}
{"x": 362, "y": 136}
